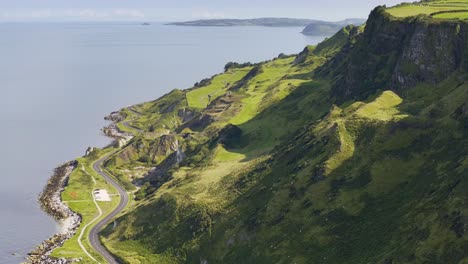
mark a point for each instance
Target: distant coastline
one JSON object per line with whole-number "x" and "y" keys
{"x": 265, "y": 22}
{"x": 311, "y": 27}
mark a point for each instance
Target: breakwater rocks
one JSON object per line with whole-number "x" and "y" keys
{"x": 51, "y": 202}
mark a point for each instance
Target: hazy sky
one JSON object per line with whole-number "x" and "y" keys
{"x": 170, "y": 10}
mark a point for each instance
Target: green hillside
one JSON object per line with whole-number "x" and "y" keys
{"x": 353, "y": 151}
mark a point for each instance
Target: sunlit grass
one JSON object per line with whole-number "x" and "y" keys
{"x": 199, "y": 97}
{"x": 432, "y": 8}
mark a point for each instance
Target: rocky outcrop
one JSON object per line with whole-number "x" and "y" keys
{"x": 165, "y": 145}
{"x": 211, "y": 113}
{"x": 113, "y": 131}
{"x": 115, "y": 116}
{"x": 51, "y": 202}
{"x": 160, "y": 174}
{"x": 398, "y": 53}
{"x": 432, "y": 53}
{"x": 89, "y": 150}
{"x": 185, "y": 114}
{"x": 302, "y": 56}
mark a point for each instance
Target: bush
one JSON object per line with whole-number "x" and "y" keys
{"x": 146, "y": 190}
{"x": 234, "y": 65}
{"x": 144, "y": 159}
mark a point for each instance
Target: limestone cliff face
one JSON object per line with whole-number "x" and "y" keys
{"x": 396, "y": 54}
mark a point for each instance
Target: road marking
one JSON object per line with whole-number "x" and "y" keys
{"x": 92, "y": 221}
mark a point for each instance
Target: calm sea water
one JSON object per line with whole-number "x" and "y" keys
{"x": 58, "y": 81}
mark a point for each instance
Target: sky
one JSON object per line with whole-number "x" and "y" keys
{"x": 181, "y": 10}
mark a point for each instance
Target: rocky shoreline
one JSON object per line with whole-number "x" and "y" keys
{"x": 51, "y": 202}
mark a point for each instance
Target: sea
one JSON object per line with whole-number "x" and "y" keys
{"x": 58, "y": 81}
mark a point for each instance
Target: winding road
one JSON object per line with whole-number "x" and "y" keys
{"x": 93, "y": 234}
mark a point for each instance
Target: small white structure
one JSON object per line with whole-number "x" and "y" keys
{"x": 101, "y": 195}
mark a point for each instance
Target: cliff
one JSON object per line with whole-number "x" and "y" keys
{"x": 399, "y": 53}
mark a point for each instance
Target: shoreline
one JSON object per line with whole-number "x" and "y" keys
{"x": 51, "y": 202}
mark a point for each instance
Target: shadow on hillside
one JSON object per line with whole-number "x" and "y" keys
{"x": 277, "y": 123}
{"x": 380, "y": 188}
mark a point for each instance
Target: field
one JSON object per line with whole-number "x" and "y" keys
{"x": 450, "y": 9}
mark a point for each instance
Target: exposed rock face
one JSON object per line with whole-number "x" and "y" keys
{"x": 431, "y": 55}
{"x": 168, "y": 108}
{"x": 89, "y": 150}
{"x": 302, "y": 56}
{"x": 165, "y": 145}
{"x": 113, "y": 131}
{"x": 160, "y": 174}
{"x": 211, "y": 113}
{"x": 185, "y": 114}
{"x": 414, "y": 50}
{"x": 115, "y": 116}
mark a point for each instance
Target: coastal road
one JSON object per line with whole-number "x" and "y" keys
{"x": 93, "y": 234}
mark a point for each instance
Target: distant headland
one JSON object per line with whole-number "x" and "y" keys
{"x": 312, "y": 27}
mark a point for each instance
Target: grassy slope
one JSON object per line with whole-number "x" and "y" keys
{"x": 259, "y": 103}
{"x": 307, "y": 181}
{"x": 198, "y": 98}
{"x": 373, "y": 181}
{"x": 363, "y": 187}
